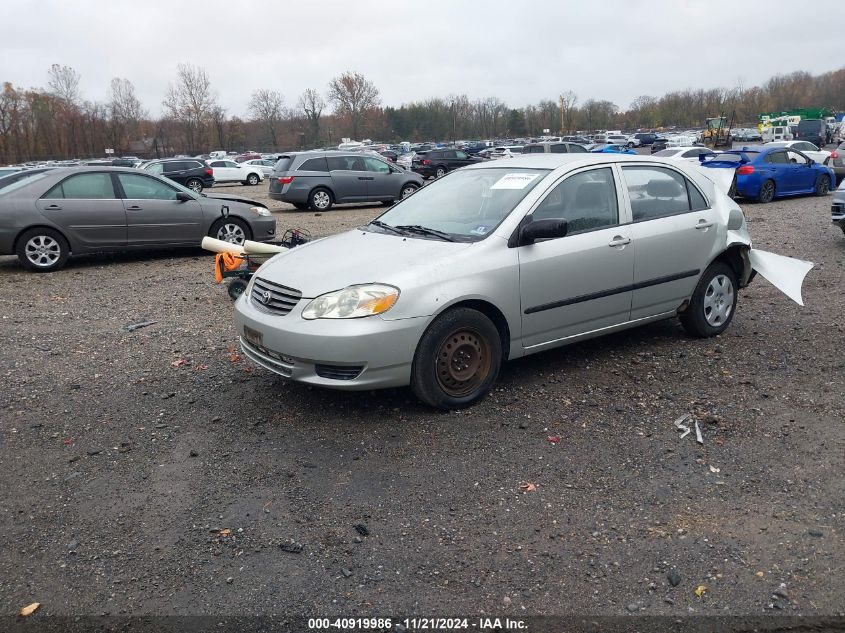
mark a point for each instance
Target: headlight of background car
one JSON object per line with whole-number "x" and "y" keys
{"x": 352, "y": 302}
{"x": 259, "y": 211}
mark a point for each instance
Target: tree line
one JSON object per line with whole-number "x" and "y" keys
{"x": 56, "y": 121}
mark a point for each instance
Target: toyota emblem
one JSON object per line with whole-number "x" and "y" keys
{"x": 265, "y": 297}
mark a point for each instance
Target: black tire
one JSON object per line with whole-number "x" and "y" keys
{"x": 822, "y": 185}
{"x": 320, "y": 199}
{"x": 407, "y": 189}
{"x": 629, "y": 145}
{"x": 236, "y": 288}
{"x": 440, "y": 172}
{"x": 194, "y": 184}
{"x": 713, "y": 303}
{"x": 767, "y": 192}
{"x": 300, "y": 205}
{"x": 42, "y": 250}
{"x": 230, "y": 229}
{"x": 252, "y": 179}
{"x": 474, "y": 350}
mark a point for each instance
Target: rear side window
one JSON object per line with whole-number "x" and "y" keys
{"x": 577, "y": 149}
{"x": 314, "y": 164}
{"x": 533, "y": 149}
{"x": 656, "y": 192}
{"x": 283, "y": 164}
{"x": 346, "y": 163}
{"x": 84, "y": 187}
{"x": 558, "y": 148}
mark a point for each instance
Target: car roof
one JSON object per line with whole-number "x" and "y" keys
{"x": 553, "y": 161}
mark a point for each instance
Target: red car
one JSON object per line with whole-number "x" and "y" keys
{"x": 248, "y": 156}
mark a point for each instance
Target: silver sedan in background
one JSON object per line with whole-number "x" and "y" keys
{"x": 497, "y": 261}
{"x": 46, "y": 217}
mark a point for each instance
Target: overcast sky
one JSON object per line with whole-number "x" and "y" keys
{"x": 518, "y": 50}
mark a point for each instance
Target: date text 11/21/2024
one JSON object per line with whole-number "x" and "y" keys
{"x": 417, "y": 624}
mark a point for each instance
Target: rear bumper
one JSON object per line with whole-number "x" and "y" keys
{"x": 424, "y": 171}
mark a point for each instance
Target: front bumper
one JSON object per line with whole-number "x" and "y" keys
{"x": 837, "y": 213}
{"x": 263, "y": 228}
{"x": 348, "y": 354}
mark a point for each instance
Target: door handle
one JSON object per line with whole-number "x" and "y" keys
{"x": 703, "y": 224}
{"x": 365, "y": 178}
{"x": 52, "y": 207}
{"x": 618, "y": 240}
{"x": 134, "y": 207}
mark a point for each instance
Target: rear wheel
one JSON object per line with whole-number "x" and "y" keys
{"x": 320, "y": 200}
{"x": 822, "y": 185}
{"x": 713, "y": 302}
{"x": 42, "y": 250}
{"x": 767, "y": 192}
{"x": 231, "y": 230}
{"x": 457, "y": 360}
{"x": 194, "y": 184}
{"x": 440, "y": 172}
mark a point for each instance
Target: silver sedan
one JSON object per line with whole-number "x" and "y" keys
{"x": 494, "y": 262}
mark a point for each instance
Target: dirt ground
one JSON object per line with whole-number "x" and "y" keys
{"x": 157, "y": 472}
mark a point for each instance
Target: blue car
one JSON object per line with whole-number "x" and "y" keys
{"x": 612, "y": 148}
{"x": 765, "y": 173}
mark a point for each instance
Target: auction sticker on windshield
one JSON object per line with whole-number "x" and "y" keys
{"x": 514, "y": 181}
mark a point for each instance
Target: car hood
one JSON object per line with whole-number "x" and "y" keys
{"x": 231, "y": 198}
{"x": 355, "y": 257}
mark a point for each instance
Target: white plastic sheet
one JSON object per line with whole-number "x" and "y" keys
{"x": 784, "y": 273}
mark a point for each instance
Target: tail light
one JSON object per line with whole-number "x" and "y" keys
{"x": 426, "y": 161}
{"x": 286, "y": 180}
{"x": 834, "y": 154}
{"x": 209, "y": 171}
{"x": 745, "y": 170}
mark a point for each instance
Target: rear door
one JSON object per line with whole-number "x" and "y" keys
{"x": 86, "y": 208}
{"x": 674, "y": 230}
{"x": 581, "y": 282}
{"x": 154, "y": 215}
{"x": 349, "y": 178}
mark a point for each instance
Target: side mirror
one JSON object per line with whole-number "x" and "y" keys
{"x": 542, "y": 230}
{"x": 181, "y": 196}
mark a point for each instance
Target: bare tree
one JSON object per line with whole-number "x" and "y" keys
{"x": 312, "y": 104}
{"x": 190, "y": 101}
{"x": 568, "y": 102}
{"x": 125, "y": 110}
{"x": 353, "y": 95}
{"x": 63, "y": 82}
{"x": 268, "y": 108}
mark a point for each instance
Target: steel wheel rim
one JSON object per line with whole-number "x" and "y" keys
{"x": 718, "y": 300}
{"x": 42, "y": 251}
{"x": 321, "y": 199}
{"x": 195, "y": 186}
{"x": 440, "y": 172}
{"x": 231, "y": 232}
{"x": 407, "y": 191}
{"x": 463, "y": 363}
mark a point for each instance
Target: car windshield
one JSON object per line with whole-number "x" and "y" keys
{"x": 20, "y": 182}
{"x": 467, "y": 204}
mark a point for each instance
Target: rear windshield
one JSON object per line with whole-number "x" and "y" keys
{"x": 810, "y": 124}
{"x": 728, "y": 157}
{"x": 667, "y": 152}
{"x": 283, "y": 164}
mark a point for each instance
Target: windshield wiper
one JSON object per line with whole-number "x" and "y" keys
{"x": 389, "y": 227}
{"x": 424, "y": 230}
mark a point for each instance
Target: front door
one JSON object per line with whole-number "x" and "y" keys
{"x": 154, "y": 215}
{"x": 674, "y": 234}
{"x": 802, "y": 176}
{"x": 581, "y": 282}
{"x": 87, "y": 209}
{"x": 349, "y": 178}
{"x": 385, "y": 182}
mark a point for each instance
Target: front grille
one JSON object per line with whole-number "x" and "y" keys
{"x": 274, "y": 298}
{"x": 837, "y": 210}
{"x": 269, "y": 359}
{"x": 338, "y": 372}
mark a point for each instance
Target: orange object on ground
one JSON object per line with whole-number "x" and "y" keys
{"x": 226, "y": 262}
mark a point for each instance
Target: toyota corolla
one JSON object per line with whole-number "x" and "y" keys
{"x": 493, "y": 262}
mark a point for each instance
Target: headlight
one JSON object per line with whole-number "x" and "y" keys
{"x": 352, "y": 302}
{"x": 259, "y": 211}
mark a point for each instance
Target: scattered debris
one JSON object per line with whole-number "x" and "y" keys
{"x": 362, "y": 529}
{"x": 698, "y": 436}
{"x": 681, "y": 426}
{"x": 528, "y": 487}
{"x": 290, "y": 547}
{"x": 137, "y": 326}
{"x": 194, "y": 454}
{"x": 554, "y": 439}
{"x": 673, "y": 577}
{"x": 815, "y": 532}
{"x": 699, "y": 591}
{"x": 201, "y": 367}
{"x": 229, "y": 580}
{"x": 179, "y": 362}
{"x": 29, "y": 609}
{"x": 633, "y": 607}
{"x": 346, "y": 572}
{"x": 713, "y": 469}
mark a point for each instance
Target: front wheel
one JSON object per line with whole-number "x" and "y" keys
{"x": 252, "y": 179}
{"x": 457, "y": 360}
{"x": 713, "y": 302}
{"x": 42, "y": 250}
{"x": 767, "y": 192}
{"x": 231, "y": 230}
{"x": 822, "y": 185}
{"x": 408, "y": 189}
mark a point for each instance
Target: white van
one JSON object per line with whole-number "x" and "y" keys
{"x": 776, "y": 133}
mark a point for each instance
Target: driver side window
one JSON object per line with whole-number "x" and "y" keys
{"x": 587, "y": 201}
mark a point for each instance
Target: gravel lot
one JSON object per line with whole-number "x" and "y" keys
{"x": 129, "y": 485}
